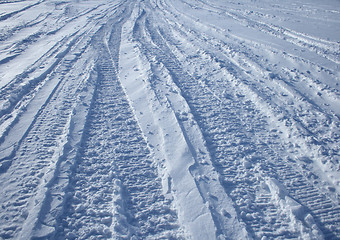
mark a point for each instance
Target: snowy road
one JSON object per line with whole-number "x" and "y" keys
{"x": 169, "y": 119}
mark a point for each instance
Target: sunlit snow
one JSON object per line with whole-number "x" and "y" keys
{"x": 169, "y": 119}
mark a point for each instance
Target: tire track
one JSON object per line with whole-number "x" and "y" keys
{"x": 38, "y": 156}
{"x": 164, "y": 118}
{"x": 253, "y": 155}
{"x": 250, "y": 128}
{"x": 210, "y": 112}
{"x": 116, "y": 191}
{"x": 11, "y": 14}
{"x": 28, "y": 86}
{"x": 24, "y": 184}
{"x": 324, "y": 48}
{"x": 297, "y": 116}
{"x": 246, "y": 57}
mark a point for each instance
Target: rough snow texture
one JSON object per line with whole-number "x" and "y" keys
{"x": 169, "y": 119}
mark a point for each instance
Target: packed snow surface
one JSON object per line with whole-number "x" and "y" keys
{"x": 169, "y": 119}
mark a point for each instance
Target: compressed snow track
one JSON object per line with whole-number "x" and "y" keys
{"x": 169, "y": 119}
{"x": 116, "y": 191}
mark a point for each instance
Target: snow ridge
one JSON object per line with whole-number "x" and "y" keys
{"x": 177, "y": 119}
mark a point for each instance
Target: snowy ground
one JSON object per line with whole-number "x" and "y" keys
{"x": 169, "y": 119}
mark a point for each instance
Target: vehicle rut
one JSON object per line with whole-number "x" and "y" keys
{"x": 249, "y": 152}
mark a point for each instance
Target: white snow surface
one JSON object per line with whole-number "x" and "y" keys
{"x": 169, "y": 119}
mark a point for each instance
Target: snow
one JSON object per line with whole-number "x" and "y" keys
{"x": 176, "y": 119}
